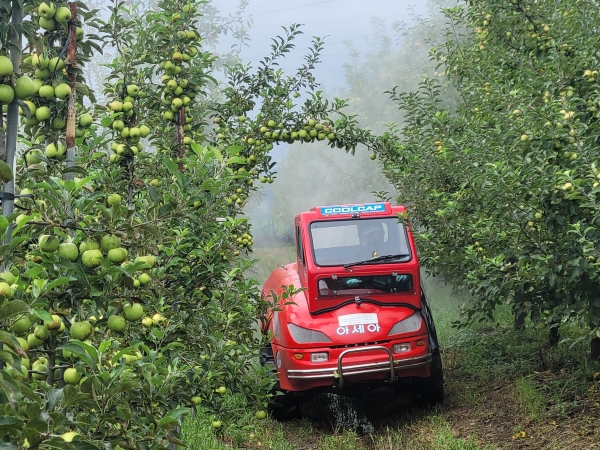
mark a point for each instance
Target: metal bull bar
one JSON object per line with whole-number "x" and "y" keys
{"x": 365, "y": 349}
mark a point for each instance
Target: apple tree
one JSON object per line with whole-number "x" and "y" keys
{"x": 503, "y": 183}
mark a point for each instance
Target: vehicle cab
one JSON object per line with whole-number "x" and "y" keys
{"x": 361, "y": 314}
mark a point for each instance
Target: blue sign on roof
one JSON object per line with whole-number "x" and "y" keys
{"x": 353, "y": 209}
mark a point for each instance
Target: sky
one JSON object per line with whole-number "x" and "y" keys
{"x": 336, "y": 20}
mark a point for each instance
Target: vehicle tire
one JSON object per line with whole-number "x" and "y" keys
{"x": 283, "y": 404}
{"x": 431, "y": 389}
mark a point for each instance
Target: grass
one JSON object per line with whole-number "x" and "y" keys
{"x": 198, "y": 434}
{"x": 268, "y": 259}
{"x": 433, "y": 432}
{"x": 529, "y": 397}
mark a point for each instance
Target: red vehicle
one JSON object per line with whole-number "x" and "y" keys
{"x": 361, "y": 317}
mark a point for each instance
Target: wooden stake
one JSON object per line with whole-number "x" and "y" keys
{"x": 71, "y": 102}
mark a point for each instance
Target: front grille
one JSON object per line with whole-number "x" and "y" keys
{"x": 361, "y": 344}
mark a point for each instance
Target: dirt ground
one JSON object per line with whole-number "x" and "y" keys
{"x": 491, "y": 415}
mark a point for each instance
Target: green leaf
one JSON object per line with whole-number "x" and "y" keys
{"x": 61, "y": 281}
{"x": 168, "y": 422}
{"x": 234, "y": 150}
{"x": 9, "y": 446}
{"x": 11, "y": 388}
{"x": 11, "y": 341}
{"x": 236, "y": 160}
{"x": 54, "y": 396}
{"x": 3, "y": 225}
{"x": 72, "y": 396}
{"x": 14, "y": 308}
{"x": 81, "y": 349}
{"x": 80, "y": 445}
{"x": 44, "y": 315}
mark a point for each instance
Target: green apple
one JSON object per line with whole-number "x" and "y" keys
{"x": 43, "y": 113}
{"x": 62, "y": 15}
{"x": 118, "y": 125}
{"x": 116, "y": 106}
{"x": 21, "y": 326}
{"x": 8, "y": 277}
{"x": 48, "y": 243}
{"x": 158, "y": 318}
{"x": 56, "y": 323}
{"x": 24, "y": 87}
{"x": 85, "y": 120}
{"x": 133, "y": 312}
{"x": 71, "y": 376}
{"x": 133, "y": 90}
{"x": 68, "y": 250}
{"x": 144, "y": 279}
{"x": 117, "y": 323}
{"x": 47, "y": 24}
{"x": 62, "y": 91}
{"x": 88, "y": 244}
{"x": 91, "y": 258}
{"x": 113, "y": 199}
{"x": 6, "y": 66}
{"x": 58, "y": 123}
{"x": 5, "y": 290}
{"x": 148, "y": 259}
{"x": 81, "y": 330}
{"x": 33, "y": 341}
{"x": 117, "y": 255}
{"x": 41, "y": 74}
{"x": 55, "y": 64}
{"x": 41, "y": 332}
{"x": 31, "y": 106}
{"x": 7, "y": 94}
{"x": 46, "y": 10}
{"x": 52, "y": 150}
{"x": 109, "y": 241}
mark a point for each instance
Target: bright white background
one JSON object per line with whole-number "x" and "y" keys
{"x": 336, "y": 20}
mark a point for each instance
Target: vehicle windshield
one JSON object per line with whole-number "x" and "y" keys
{"x": 365, "y": 285}
{"x": 341, "y": 242}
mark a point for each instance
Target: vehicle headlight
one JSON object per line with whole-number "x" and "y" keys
{"x": 304, "y": 335}
{"x": 408, "y": 325}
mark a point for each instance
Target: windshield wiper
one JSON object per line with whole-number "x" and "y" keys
{"x": 377, "y": 259}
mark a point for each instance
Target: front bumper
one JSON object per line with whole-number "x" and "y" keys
{"x": 346, "y": 365}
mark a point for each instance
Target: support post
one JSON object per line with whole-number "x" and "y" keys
{"x": 12, "y": 116}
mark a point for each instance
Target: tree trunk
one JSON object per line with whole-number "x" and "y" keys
{"x": 595, "y": 349}
{"x": 71, "y": 102}
{"x": 519, "y": 310}
{"x": 554, "y": 335}
{"x": 519, "y": 323}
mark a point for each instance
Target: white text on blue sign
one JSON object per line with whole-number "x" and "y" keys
{"x": 351, "y": 209}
